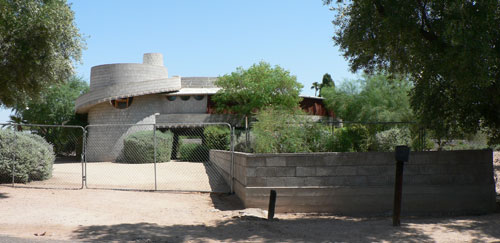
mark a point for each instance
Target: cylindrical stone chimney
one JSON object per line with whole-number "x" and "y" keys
{"x": 153, "y": 59}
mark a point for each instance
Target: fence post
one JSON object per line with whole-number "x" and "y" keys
{"x": 14, "y": 158}
{"x": 154, "y": 149}
{"x": 83, "y": 157}
{"x": 232, "y": 159}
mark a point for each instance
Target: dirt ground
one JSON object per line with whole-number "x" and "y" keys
{"x": 107, "y": 215}
{"x": 131, "y": 216}
{"x": 175, "y": 175}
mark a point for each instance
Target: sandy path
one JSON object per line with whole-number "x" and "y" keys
{"x": 191, "y": 217}
{"x": 176, "y": 175}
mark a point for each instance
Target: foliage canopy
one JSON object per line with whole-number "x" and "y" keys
{"x": 450, "y": 49}
{"x": 247, "y": 90}
{"x": 56, "y": 105}
{"x": 377, "y": 97}
{"x": 38, "y": 44}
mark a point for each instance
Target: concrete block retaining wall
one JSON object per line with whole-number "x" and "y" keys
{"x": 448, "y": 182}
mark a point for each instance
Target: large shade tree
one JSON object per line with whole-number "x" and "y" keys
{"x": 38, "y": 44}
{"x": 450, "y": 49}
{"x": 246, "y": 91}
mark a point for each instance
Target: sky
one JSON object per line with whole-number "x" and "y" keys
{"x": 211, "y": 38}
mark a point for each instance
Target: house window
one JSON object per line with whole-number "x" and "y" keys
{"x": 171, "y": 98}
{"x": 198, "y": 97}
{"x": 122, "y": 103}
{"x": 185, "y": 97}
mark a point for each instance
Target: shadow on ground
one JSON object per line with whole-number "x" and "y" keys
{"x": 3, "y": 195}
{"x": 304, "y": 229}
{"x": 226, "y": 202}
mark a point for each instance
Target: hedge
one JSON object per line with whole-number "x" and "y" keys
{"x": 138, "y": 147}
{"x": 217, "y": 137}
{"x": 33, "y": 157}
{"x": 193, "y": 152}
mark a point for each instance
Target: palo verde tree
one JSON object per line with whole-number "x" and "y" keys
{"x": 379, "y": 97}
{"x": 450, "y": 50}
{"x": 246, "y": 91}
{"x": 38, "y": 44}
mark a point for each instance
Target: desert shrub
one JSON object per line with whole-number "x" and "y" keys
{"x": 32, "y": 155}
{"x": 139, "y": 147}
{"x": 318, "y": 137}
{"x": 387, "y": 140}
{"x": 193, "y": 152}
{"x": 217, "y": 137}
{"x": 350, "y": 139}
{"x": 278, "y": 131}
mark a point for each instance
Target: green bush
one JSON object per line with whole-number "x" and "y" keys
{"x": 350, "y": 139}
{"x": 217, "y": 137}
{"x": 387, "y": 140}
{"x": 193, "y": 152}
{"x": 139, "y": 147}
{"x": 278, "y": 131}
{"x": 33, "y": 157}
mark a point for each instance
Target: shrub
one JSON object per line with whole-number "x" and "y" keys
{"x": 139, "y": 147}
{"x": 33, "y": 157}
{"x": 278, "y": 131}
{"x": 350, "y": 139}
{"x": 217, "y": 137}
{"x": 318, "y": 137}
{"x": 387, "y": 140}
{"x": 193, "y": 152}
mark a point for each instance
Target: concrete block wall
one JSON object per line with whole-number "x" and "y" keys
{"x": 448, "y": 182}
{"x": 105, "y": 134}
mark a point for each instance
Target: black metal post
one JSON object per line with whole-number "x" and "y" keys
{"x": 398, "y": 191}
{"x": 402, "y": 154}
{"x": 272, "y": 205}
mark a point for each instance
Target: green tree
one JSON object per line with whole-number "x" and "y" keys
{"x": 450, "y": 49}
{"x": 247, "y": 90}
{"x": 377, "y": 97}
{"x": 326, "y": 82}
{"x": 38, "y": 44}
{"x": 315, "y": 86}
{"x": 56, "y": 106}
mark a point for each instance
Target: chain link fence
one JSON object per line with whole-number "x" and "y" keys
{"x": 176, "y": 156}
{"x": 155, "y": 156}
{"x": 331, "y": 136}
{"x": 344, "y": 136}
{"x": 42, "y": 156}
{"x": 190, "y": 168}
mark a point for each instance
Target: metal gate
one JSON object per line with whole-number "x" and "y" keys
{"x": 172, "y": 157}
